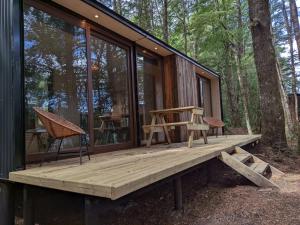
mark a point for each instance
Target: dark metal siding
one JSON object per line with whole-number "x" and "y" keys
{"x": 11, "y": 87}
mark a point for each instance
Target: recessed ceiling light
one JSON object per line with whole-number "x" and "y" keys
{"x": 155, "y": 48}
{"x": 96, "y": 16}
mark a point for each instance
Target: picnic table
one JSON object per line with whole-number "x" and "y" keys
{"x": 159, "y": 124}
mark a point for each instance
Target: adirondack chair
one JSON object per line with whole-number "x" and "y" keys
{"x": 214, "y": 124}
{"x": 59, "y": 129}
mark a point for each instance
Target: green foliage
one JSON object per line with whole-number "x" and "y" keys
{"x": 208, "y": 31}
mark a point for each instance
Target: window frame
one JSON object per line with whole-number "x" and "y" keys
{"x": 139, "y": 51}
{"x": 201, "y": 94}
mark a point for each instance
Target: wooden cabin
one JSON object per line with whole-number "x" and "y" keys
{"x": 81, "y": 61}
{"x": 88, "y": 64}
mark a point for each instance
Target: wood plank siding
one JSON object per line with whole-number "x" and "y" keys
{"x": 170, "y": 92}
{"x": 187, "y": 90}
{"x": 181, "y": 89}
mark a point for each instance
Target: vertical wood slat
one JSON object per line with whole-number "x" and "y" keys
{"x": 187, "y": 90}
{"x": 171, "y": 91}
{"x": 180, "y": 86}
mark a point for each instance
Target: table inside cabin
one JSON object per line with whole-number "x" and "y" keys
{"x": 36, "y": 133}
{"x": 159, "y": 124}
{"x": 111, "y": 124}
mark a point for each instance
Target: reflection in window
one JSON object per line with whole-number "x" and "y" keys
{"x": 55, "y": 74}
{"x": 205, "y": 95}
{"x": 149, "y": 87}
{"x": 110, "y": 92}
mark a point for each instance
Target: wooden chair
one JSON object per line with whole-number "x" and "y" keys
{"x": 214, "y": 124}
{"x": 59, "y": 128}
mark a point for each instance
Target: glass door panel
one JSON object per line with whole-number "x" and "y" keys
{"x": 111, "y": 111}
{"x": 55, "y": 69}
{"x": 149, "y": 83}
{"x": 204, "y": 95}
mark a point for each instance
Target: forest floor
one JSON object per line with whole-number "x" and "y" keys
{"x": 213, "y": 195}
{"x": 225, "y": 199}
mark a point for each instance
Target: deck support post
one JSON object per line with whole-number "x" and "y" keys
{"x": 28, "y": 207}
{"x": 89, "y": 216}
{"x": 6, "y": 203}
{"x": 95, "y": 210}
{"x": 178, "y": 193}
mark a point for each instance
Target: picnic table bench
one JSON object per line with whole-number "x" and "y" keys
{"x": 214, "y": 124}
{"x": 159, "y": 124}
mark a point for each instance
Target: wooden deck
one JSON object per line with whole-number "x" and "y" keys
{"x": 116, "y": 174}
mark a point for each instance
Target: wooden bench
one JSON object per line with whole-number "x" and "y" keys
{"x": 214, "y": 124}
{"x": 158, "y": 123}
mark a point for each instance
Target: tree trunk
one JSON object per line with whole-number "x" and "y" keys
{"x": 185, "y": 25}
{"x": 243, "y": 93}
{"x": 273, "y": 123}
{"x": 165, "y": 22}
{"x": 233, "y": 106}
{"x": 291, "y": 113}
{"x": 289, "y": 125}
{"x": 117, "y": 6}
{"x": 240, "y": 52}
{"x": 295, "y": 23}
{"x": 296, "y": 29}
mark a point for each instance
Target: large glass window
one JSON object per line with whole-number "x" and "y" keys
{"x": 55, "y": 74}
{"x": 149, "y": 83}
{"x": 111, "y": 111}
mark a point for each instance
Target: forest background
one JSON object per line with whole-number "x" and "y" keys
{"x": 217, "y": 33}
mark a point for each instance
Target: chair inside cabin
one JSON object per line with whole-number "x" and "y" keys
{"x": 59, "y": 128}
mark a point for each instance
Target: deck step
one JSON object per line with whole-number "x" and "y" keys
{"x": 259, "y": 167}
{"x": 242, "y": 157}
{"x": 251, "y": 167}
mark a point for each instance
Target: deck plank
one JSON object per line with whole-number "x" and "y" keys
{"x": 115, "y": 174}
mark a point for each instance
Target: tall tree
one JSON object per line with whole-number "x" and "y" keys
{"x": 281, "y": 40}
{"x": 296, "y": 32}
{"x": 273, "y": 123}
{"x": 117, "y": 6}
{"x": 165, "y": 21}
{"x": 290, "y": 38}
{"x": 185, "y": 24}
{"x": 239, "y": 55}
{"x": 295, "y": 23}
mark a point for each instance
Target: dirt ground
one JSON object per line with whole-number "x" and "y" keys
{"x": 213, "y": 195}
{"x": 226, "y": 198}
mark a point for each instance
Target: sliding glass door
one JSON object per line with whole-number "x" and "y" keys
{"x": 55, "y": 66}
{"x": 110, "y": 75}
{"x": 149, "y": 87}
{"x": 78, "y": 74}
